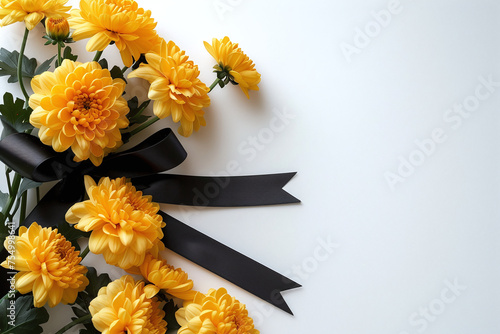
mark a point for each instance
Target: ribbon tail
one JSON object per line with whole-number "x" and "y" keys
{"x": 217, "y": 191}
{"x": 237, "y": 268}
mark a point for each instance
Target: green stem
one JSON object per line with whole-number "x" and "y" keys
{"x": 24, "y": 200}
{"x": 97, "y": 56}
{"x": 143, "y": 126}
{"x": 7, "y": 176}
{"x": 59, "y": 57}
{"x": 20, "y": 67}
{"x": 212, "y": 86}
{"x": 145, "y": 105}
{"x": 75, "y": 322}
{"x": 85, "y": 252}
{"x": 124, "y": 69}
{"x": 16, "y": 207}
{"x": 10, "y": 202}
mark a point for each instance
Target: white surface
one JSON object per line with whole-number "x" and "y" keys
{"x": 398, "y": 249}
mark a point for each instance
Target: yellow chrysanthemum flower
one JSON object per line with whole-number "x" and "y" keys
{"x": 233, "y": 64}
{"x": 126, "y": 306}
{"x": 120, "y": 21}
{"x": 57, "y": 28}
{"x": 48, "y": 266}
{"x": 79, "y": 106}
{"x": 175, "y": 87}
{"x": 31, "y": 11}
{"x": 173, "y": 280}
{"x": 124, "y": 223}
{"x": 215, "y": 312}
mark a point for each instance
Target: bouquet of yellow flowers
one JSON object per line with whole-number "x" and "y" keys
{"x": 70, "y": 129}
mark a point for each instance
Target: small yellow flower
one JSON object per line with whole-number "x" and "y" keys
{"x": 233, "y": 64}
{"x": 31, "y": 11}
{"x": 57, "y": 28}
{"x": 79, "y": 106}
{"x": 126, "y": 306}
{"x": 216, "y": 312}
{"x": 175, "y": 87}
{"x": 120, "y": 21}
{"x": 124, "y": 223}
{"x": 174, "y": 281}
{"x": 48, "y": 266}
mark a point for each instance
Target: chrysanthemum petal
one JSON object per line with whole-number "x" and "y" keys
{"x": 123, "y": 222}
{"x": 234, "y": 63}
{"x": 98, "y": 42}
{"x": 32, "y": 19}
{"x": 128, "y": 306}
{"x": 175, "y": 87}
{"x": 173, "y": 281}
{"x": 213, "y": 313}
{"x": 145, "y": 72}
{"x": 31, "y": 11}
{"x": 45, "y": 260}
{"x": 79, "y": 106}
{"x": 121, "y": 21}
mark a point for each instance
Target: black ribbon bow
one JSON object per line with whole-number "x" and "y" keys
{"x": 160, "y": 152}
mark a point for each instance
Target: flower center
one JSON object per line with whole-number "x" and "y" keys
{"x": 57, "y": 21}
{"x": 62, "y": 249}
{"x": 134, "y": 201}
{"x": 237, "y": 322}
{"x": 60, "y": 252}
{"x": 87, "y": 110}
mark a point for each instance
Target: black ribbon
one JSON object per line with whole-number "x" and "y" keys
{"x": 160, "y": 152}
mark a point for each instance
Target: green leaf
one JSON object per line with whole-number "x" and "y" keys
{"x": 13, "y": 110}
{"x": 52, "y": 41}
{"x": 135, "y": 115}
{"x": 170, "y": 308}
{"x": 27, "y": 317}
{"x": 138, "y": 62}
{"x": 96, "y": 282}
{"x": 88, "y": 330}
{"x": 79, "y": 312}
{"x": 71, "y": 234}
{"x": 133, "y": 103}
{"x": 49, "y": 40}
{"x": 14, "y": 115}
{"x": 84, "y": 298}
{"x": 8, "y": 65}
{"x": 116, "y": 73}
{"x": 17, "y": 127}
{"x": 4, "y": 305}
{"x": 220, "y": 75}
{"x": 4, "y": 197}
{"x": 141, "y": 119}
{"x": 7, "y": 129}
{"x": 44, "y": 66}
{"x": 25, "y": 185}
{"x": 103, "y": 62}
{"x": 67, "y": 55}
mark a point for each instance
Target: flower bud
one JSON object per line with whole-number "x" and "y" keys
{"x": 57, "y": 28}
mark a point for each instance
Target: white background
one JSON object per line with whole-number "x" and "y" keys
{"x": 352, "y": 120}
